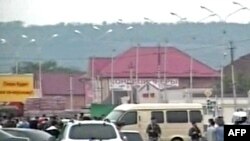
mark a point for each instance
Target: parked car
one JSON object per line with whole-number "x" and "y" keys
{"x": 4, "y": 136}
{"x": 131, "y": 135}
{"x": 89, "y": 130}
{"x": 32, "y": 134}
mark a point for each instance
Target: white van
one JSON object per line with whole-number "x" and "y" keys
{"x": 174, "y": 118}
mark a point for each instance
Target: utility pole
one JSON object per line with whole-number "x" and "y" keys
{"x": 159, "y": 70}
{"x": 112, "y": 77}
{"x": 131, "y": 83}
{"x": 191, "y": 80}
{"x": 231, "y": 47}
{"x": 165, "y": 75}
{"x": 93, "y": 79}
{"x": 71, "y": 91}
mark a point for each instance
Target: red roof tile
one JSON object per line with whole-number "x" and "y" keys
{"x": 151, "y": 59}
{"x": 98, "y": 64}
{"x": 59, "y": 84}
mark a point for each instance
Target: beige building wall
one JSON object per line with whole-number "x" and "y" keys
{"x": 78, "y": 101}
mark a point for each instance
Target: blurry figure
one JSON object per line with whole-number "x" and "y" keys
{"x": 240, "y": 118}
{"x": 10, "y": 123}
{"x": 75, "y": 117}
{"x": 4, "y": 120}
{"x": 194, "y": 132}
{"x": 53, "y": 119}
{"x": 219, "y": 131}
{"x": 153, "y": 130}
{"x": 41, "y": 122}
{"x": 34, "y": 122}
{"x": 53, "y": 129}
{"x": 211, "y": 130}
{"x": 23, "y": 123}
{"x": 60, "y": 126}
{"x": 81, "y": 116}
{"x": 44, "y": 124}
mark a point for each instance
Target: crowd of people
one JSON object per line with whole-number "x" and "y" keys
{"x": 50, "y": 124}
{"x": 215, "y": 130}
{"x": 54, "y": 124}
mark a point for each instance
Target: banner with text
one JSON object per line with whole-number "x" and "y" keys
{"x": 16, "y": 87}
{"x": 125, "y": 84}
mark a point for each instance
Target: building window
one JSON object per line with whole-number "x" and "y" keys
{"x": 152, "y": 95}
{"x": 129, "y": 118}
{"x": 145, "y": 95}
{"x": 177, "y": 117}
{"x": 195, "y": 116}
{"x": 158, "y": 115}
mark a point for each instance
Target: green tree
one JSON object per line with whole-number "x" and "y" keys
{"x": 48, "y": 66}
{"x": 242, "y": 84}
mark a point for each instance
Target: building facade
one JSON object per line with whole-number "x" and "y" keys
{"x": 170, "y": 69}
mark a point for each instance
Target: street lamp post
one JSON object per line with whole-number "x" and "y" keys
{"x": 230, "y": 14}
{"x": 191, "y": 80}
{"x": 39, "y": 68}
{"x": 40, "y": 62}
{"x": 242, "y": 6}
{"x": 231, "y": 50}
{"x": 212, "y": 12}
{"x": 148, "y": 20}
{"x": 18, "y": 54}
{"x": 181, "y": 19}
{"x": 92, "y": 59}
{"x": 93, "y": 67}
{"x": 71, "y": 91}
{"x": 165, "y": 73}
{"x": 222, "y": 83}
{"x": 211, "y": 15}
{"x": 131, "y": 95}
{"x": 112, "y": 77}
{"x": 134, "y": 85}
{"x": 236, "y": 11}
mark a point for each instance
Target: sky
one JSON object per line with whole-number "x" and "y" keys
{"x": 49, "y": 12}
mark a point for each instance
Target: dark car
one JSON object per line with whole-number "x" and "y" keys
{"x": 32, "y": 134}
{"x": 4, "y": 136}
{"x": 131, "y": 135}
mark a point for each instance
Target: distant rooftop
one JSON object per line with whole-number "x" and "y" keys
{"x": 151, "y": 60}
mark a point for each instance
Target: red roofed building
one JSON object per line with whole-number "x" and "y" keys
{"x": 58, "y": 85}
{"x": 167, "y": 67}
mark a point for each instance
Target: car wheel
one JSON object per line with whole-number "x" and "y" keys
{"x": 177, "y": 139}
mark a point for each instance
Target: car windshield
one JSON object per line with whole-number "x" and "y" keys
{"x": 132, "y": 136}
{"x": 115, "y": 115}
{"x": 92, "y": 131}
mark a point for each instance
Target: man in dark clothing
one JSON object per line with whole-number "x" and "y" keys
{"x": 53, "y": 129}
{"x": 34, "y": 123}
{"x": 194, "y": 132}
{"x": 10, "y": 123}
{"x": 153, "y": 130}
